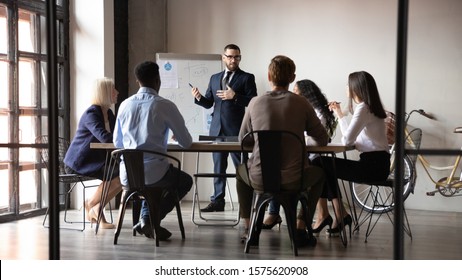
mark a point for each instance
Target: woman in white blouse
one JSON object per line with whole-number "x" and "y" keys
{"x": 366, "y": 131}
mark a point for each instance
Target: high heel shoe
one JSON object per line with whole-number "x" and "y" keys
{"x": 326, "y": 222}
{"x": 347, "y": 221}
{"x": 93, "y": 217}
{"x": 276, "y": 221}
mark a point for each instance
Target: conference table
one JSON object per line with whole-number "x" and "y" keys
{"x": 212, "y": 146}
{"x": 209, "y": 146}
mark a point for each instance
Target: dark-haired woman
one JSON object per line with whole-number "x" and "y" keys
{"x": 366, "y": 131}
{"x": 318, "y": 100}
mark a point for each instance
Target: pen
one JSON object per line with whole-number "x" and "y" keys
{"x": 328, "y": 104}
{"x": 191, "y": 85}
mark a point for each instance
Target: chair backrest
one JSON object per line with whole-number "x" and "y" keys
{"x": 390, "y": 122}
{"x": 272, "y": 144}
{"x": 63, "y": 146}
{"x": 134, "y": 164}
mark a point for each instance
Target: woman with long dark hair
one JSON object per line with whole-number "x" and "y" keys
{"x": 318, "y": 100}
{"x": 366, "y": 131}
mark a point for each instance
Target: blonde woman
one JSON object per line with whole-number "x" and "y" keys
{"x": 95, "y": 125}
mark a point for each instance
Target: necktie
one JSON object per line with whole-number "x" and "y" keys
{"x": 226, "y": 80}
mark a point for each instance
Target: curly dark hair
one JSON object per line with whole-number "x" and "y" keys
{"x": 318, "y": 100}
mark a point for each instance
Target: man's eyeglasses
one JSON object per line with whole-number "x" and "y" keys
{"x": 235, "y": 57}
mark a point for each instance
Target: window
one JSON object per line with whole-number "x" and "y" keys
{"x": 23, "y": 101}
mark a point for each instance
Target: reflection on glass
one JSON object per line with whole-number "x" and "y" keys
{"x": 27, "y": 189}
{"x": 4, "y": 194}
{"x": 4, "y": 85}
{"x": 3, "y": 30}
{"x": 44, "y": 125}
{"x": 26, "y": 133}
{"x": 43, "y": 84}
{"x": 26, "y": 83}
{"x": 4, "y": 176}
{"x": 26, "y": 32}
{"x": 3, "y": 137}
{"x": 43, "y": 33}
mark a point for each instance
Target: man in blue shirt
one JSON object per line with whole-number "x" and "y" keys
{"x": 143, "y": 122}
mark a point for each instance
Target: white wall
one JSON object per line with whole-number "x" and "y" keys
{"x": 326, "y": 39}
{"x": 91, "y": 53}
{"x": 330, "y": 39}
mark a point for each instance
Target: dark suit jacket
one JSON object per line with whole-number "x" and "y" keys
{"x": 228, "y": 114}
{"x": 91, "y": 128}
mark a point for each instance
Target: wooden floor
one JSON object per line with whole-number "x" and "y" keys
{"x": 436, "y": 236}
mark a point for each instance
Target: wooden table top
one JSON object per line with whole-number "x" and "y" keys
{"x": 208, "y": 146}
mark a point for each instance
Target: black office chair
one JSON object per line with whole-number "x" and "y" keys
{"x": 197, "y": 175}
{"x": 272, "y": 145}
{"x": 381, "y": 194}
{"x": 137, "y": 189}
{"x": 71, "y": 179}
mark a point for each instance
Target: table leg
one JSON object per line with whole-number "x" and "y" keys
{"x": 351, "y": 205}
{"x": 107, "y": 175}
{"x": 341, "y": 224}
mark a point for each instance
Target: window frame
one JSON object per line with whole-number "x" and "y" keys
{"x": 38, "y": 110}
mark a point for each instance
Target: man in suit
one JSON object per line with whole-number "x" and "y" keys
{"x": 229, "y": 92}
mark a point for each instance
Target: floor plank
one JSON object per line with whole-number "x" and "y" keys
{"x": 436, "y": 236}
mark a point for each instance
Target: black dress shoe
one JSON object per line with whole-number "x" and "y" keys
{"x": 214, "y": 207}
{"x": 137, "y": 227}
{"x": 144, "y": 227}
{"x": 304, "y": 239}
{"x": 163, "y": 234}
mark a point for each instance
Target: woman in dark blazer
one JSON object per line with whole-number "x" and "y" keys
{"x": 95, "y": 125}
